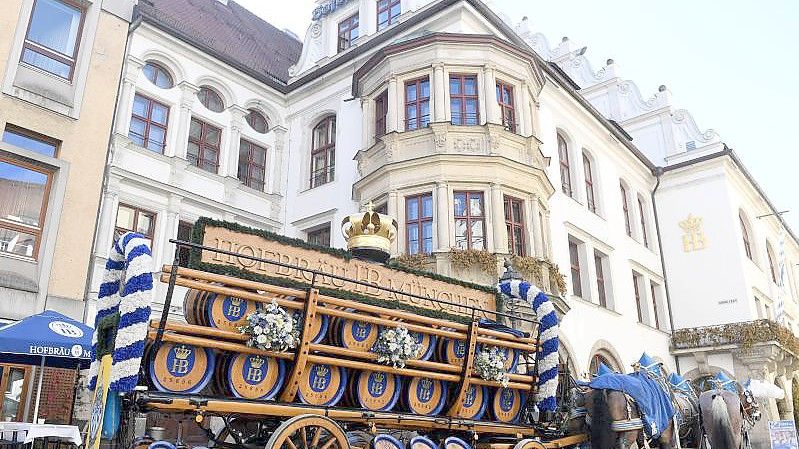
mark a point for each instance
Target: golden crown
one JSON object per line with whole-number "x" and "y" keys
{"x": 235, "y": 301}
{"x": 426, "y": 383}
{"x": 322, "y": 370}
{"x": 691, "y": 223}
{"x": 378, "y": 377}
{"x": 370, "y": 233}
{"x": 182, "y": 352}
{"x": 256, "y": 362}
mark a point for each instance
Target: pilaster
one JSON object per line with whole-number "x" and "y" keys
{"x": 441, "y": 219}
{"x": 499, "y": 231}
{"x": 189, "y": 93}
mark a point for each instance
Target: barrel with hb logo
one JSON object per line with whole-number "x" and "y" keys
{"x": 181, "y": 368}
{"x": 319, "y": 327}
{"x": 374, "y": 390}
{"x": 214, "y": 310}
{"x": 250, "y": 376}
{"x": 451, "y": 351}
{"x": 354, "y": 334}
{"x": 428, "y": 344}
{"x": 475, "y": 403}
{"x": 424, "y": 396}
{"x": 322, "y": 384}
{"x": 507, "y": 404}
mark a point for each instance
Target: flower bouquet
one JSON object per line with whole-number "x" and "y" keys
{"x": 490, "y": 365}
{"x": 271, "y": 329}
{"x": 396, "y": 346}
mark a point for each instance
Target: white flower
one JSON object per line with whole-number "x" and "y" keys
{"x": 261, "y": 339}
{"x": 258, "y": 330}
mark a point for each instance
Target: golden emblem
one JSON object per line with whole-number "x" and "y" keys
{"x": 369, "y": 234}
{"x": 693, "y": 238}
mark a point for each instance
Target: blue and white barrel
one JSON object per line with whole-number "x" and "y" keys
{"x": 181, "y": 368}
{"x": 452, "y": 351}
{"x": 228, "y": 312}
{"x": 318, "y": 328}
{"x": 422, "y": 442}
{"x": 475, "y": 403}
{"x": 356, "y": 335}
{"x": 250, "y": 376}
{"x": 455, "y": 443}
{"x": 424, "y": 396}
{"x": 375, "y": 390}
{"x": 507, "y": 404}
{"x": 322, "y": 384}
{"x": 428, "y": 344}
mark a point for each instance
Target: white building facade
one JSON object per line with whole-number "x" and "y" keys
{"x": 484, "y": 143}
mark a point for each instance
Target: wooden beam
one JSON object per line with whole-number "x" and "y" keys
{"x": 466, "y": 374}
{"x": 289, "y": 392}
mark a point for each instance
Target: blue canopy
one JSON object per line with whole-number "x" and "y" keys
{"x": 604, "y": 369}
{"x": 60, "y": 340}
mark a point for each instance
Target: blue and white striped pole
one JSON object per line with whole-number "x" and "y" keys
{"x": 547, "y": 356}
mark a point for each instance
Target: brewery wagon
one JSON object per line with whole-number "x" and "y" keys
{"x": 331, "y": 389}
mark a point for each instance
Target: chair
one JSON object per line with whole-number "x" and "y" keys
{"x": 9, "y": 438}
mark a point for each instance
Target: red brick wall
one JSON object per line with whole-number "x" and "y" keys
{"x": 58, "y": 387}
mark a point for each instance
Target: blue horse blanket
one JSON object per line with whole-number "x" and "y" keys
{"x": 653, "y": 402}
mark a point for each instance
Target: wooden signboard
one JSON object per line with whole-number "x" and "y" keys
{"x": 253, "y": 244}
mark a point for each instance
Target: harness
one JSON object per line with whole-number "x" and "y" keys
{"x": 631, "y": 423}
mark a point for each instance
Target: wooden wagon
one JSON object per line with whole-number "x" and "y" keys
{"x": 330, "y": 392}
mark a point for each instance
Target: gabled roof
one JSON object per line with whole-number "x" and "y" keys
{"x": 230, "y": 33}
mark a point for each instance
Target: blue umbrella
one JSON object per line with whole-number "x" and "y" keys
{"x": 46, "y": 339}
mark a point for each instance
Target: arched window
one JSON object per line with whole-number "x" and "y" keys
{"x": 565, "y": 170}
{"x": 257, "y": 121}
{"x": 210, "y": 99}
{"x": 745, "y": 237}
{"x": 323, "y": 152}
{"x": 772, "y": 263}
{"x": 589, "y": 184}
{"x": 602, "y": 356}
{"x": 158, "y": 75}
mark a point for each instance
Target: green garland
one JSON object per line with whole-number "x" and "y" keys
{"x": 745, "y": 334}
{"x": 195, "y": 262}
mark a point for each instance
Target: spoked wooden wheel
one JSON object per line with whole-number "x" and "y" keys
{"x": 308, "y": 432}
{"x": 529, "y": 443}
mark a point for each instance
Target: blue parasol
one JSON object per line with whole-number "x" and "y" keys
{"x": 46, "y": 339}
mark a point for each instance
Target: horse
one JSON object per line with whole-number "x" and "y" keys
{"x": 615, "y": 421}
{"x": 723, "y": 419}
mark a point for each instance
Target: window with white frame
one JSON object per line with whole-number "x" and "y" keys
{"x": 576, "y": 268}
{"x": 602, "y": 269}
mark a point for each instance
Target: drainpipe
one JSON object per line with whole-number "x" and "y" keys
{"x": 137, "y": 19}
{"x": 658, "y": 172}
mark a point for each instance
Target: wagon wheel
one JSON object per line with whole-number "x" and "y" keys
{"x": 529, "y": 443}
{"x": 308, "y": 432}
{"x": 242, "y": 433}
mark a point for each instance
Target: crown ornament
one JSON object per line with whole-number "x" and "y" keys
{"x": 378, "y": 377}
{"x": 426, "y": 384}
{"x": 256, "y": 362}
{"x": 235, "y": 301}
{"x": 182, "y": 352}
{"x": 369, "y": 234}
{"x": 322, "y": 370}
{"x": 691, "y": 224}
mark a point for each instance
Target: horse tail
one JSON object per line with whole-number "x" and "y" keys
{"x": 602, "y": 434}
{"x": 721, "y": 432}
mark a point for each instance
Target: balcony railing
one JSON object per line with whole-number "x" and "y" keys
{"x": 745, "y": 335}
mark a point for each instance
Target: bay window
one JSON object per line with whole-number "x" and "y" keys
{"x": 469, "y": 220}
{"x": 514, "y": 222}
{"x": 381, "y": 114}
{"x": 506, "y": 108}
{"x": 463, "y": 99}
{"x": 419, "y": 224}
{"x": 417, "y": 104}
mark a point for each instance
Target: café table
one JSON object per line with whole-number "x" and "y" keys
{"x": 26, "y": 433}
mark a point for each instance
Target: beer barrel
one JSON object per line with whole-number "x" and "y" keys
{"x": 322, "y": 384}
{"x": 451, "y": 351}
{"x": 228, "y": 312}
{"x": 194, "y": 306}
{"x": 356, "y": 335}
{"x": 181, "y": 368}
{"x": 428, "y": 343}
{"x": 420, "y": 442}
{"x": 386, "y": 441}
{"x": 455, "y": 443}
{"x": 319, "y": 327}
{"x": 475, "y": 403}
{"x": 424, "y": 396}
{"x": 253, "y": 376}
{"x": 507, "y": 405}
{"x": 375, "y": 390}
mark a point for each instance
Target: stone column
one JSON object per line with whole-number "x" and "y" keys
{"x": 441, "y": 219}
{"x": 527, "y": 123}
{"x": 439, "y": 94}
{"x": 171, "y": 228}
{"x": 490, "y": 95}
{"x": 392, "y": 211}
{"x": 485, "y": 97}
{"x": 499, "y": 231}
{"x": 535, "y": 223}
{"x": 178, "y": 142}
{"x": 229, "y": 155}
{"x": 108, "y": 214}
{"x": 125, "y": 106}
{"x": 276, "y": 172}
{"x": 367, "y": 121}
{"x": 395, "y": 105}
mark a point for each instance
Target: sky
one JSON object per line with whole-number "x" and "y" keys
{"x": 733, "y": 64}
